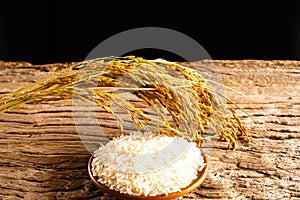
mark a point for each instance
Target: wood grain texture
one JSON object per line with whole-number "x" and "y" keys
{"x": 42, "y": 157}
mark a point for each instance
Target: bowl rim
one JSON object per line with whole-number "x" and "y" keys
{"x": 194, "y": 184}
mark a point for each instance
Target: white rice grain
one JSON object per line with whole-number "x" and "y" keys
{"x": 147, "y": 164}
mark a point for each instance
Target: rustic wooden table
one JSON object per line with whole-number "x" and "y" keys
{"x": 42, "y": 157}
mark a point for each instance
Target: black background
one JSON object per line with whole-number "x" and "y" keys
{"x": 61, "y": 31}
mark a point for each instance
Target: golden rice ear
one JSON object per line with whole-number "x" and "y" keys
{"x": 189, "y": 99}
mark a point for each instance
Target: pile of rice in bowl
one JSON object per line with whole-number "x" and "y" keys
{"x": 147, "y": 164}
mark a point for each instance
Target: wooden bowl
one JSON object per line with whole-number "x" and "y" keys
{"x": 196, "y": 183}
